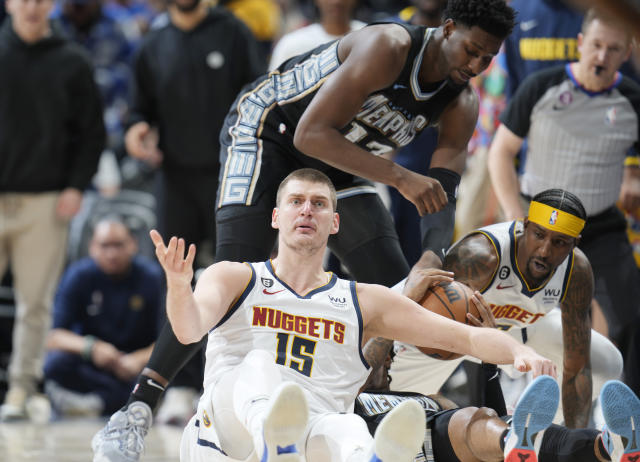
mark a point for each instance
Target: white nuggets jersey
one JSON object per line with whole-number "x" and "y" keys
{"x": 513, "y": 302}
{"x": 316, "y": 338}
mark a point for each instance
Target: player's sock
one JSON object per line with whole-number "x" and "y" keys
{"x": 602, "y": 451}
{"x": 503, "y": 439}
{"x": 146, "y": 390}
{"x": 561, "y": 444}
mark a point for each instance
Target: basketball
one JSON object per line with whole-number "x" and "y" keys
{"x": 452, "y": 300}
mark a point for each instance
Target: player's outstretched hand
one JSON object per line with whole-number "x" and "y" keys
{"x": 528, "y": 360}
{"x": 177, "y": 267}
{"x": 486, "y": 316}
{"x": 424, "y": 192}
{"x": 419, "y": 281}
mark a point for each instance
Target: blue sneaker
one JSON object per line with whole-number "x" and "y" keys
{"x": 533, "y": 414}
{"x": 621, "y": 433}
{"x": 285, "y": 424}
{"x": 400, "y": 435}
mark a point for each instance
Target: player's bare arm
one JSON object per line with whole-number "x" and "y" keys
{"x": 504, "y": 179}
{"x": 410, "y": 323}
{"x": 473, "y": 261}
{"x": 377, "y": 349}
{"x": 455, "y": 128}
{"x": 576, "y": 334}
{"x": 372, "y": 60}
{"x": 192, "y": 313}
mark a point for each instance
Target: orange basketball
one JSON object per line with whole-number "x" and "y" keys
{"x": 452, "y": 300}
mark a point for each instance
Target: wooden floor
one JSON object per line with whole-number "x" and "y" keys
{"x": 70, "y": 441}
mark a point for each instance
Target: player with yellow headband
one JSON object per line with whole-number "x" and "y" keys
{"x": 526, "y": 270}
{"x": 555, "y": 220}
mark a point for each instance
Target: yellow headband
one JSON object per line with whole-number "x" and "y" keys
{"x": 554, "y": 219}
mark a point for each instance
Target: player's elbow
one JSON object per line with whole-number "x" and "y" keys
{"x": 301, "y": 138}
{"x": 187, "y": 338}
{"x": 184, "y": 333}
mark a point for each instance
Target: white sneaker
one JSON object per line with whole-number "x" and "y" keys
{"x": 178, "y": 406}
{"x": 14, "y": 407}
{"x": 38, "y": 408}
{"x": 285, "y": 424}
{"x": 122, "y": 439}
{"x": 400, "y": 435}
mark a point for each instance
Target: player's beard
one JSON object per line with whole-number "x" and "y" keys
{"x": 536, "y": 280}
{"x": 186, "y": 8}
{"x": 301, "y": 247}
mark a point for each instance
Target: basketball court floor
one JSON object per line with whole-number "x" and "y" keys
{"x": 69, "y": 440}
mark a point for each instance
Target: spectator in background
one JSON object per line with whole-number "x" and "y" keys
{"x": 545, "y": 37}
{"x": 135, "y": 16}
{"x": 263, "y": 17}
{"x": 335, "y": 18}
{"x": 93, "y": 27}
{"x": 187, "y": 74}
{"x": 582, "y": 124}
{"x": 105, "y": 319}
{"x": 51, "y": 136}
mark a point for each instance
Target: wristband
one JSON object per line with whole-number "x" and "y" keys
{"x": 89, "y": 342}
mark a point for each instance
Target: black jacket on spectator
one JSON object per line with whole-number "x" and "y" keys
{"x": 186, "y": 82}
{"x": 51, "y": 127}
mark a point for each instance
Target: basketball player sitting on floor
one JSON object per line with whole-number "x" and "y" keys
{"x": 525, "y": 270}
{"x": 284, "y": 354}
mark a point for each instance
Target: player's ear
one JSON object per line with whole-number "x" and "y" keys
{"x": 580, "y": 40}
{"x": 336, "y": 223}
{"x": 448, "y": 26}
{"x": 274, "y": 218}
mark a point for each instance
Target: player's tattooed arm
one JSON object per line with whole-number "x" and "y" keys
{"x": 576, "y": 333}
{"x": 473, "y": 261}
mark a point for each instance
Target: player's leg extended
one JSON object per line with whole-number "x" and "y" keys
{"x": 252, "y": 409}
{"x": 345, "y": 437}
{"x": 474, "y": 435}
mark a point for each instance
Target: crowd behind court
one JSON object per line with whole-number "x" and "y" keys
{"x": 133, "y": 159}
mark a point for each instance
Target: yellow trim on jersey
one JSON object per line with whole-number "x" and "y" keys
{"x": 555, "y": 220}
{"x": 566, "y": 287}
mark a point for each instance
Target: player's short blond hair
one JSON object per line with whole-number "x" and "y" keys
{"x": 313, "y": 176}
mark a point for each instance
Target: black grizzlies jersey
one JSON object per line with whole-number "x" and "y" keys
{"x": 266, "y": 113}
